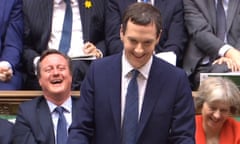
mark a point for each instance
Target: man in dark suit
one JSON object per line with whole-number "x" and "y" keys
{"x": 11, "y": 31}
{"x": 37, "y": 120}
{"x": 5, "y": 132}
{"x": 207, "y": 50}
{"x": 43, "y": 30}
{"x": 173, "y": 38}
{"x": 164, "y": 111}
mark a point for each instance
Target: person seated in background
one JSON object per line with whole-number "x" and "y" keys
{"x": 5, "y": 132}
{"x": 74, "y": 27}
{"x": 217, "y": 99}
{"x": 11, "y": 31}
{"x": 173, "y": 35}
{"x": 214, "y": 33}
{"x": 46, "y": 119}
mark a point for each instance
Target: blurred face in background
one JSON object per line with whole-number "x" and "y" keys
{"x": 215, "y": 114}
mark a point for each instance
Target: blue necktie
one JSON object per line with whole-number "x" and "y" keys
{"x": 65, "y": 41}
{"x": 130, "y": 121}
{"x": 221, "y": 20}
{"x": 146, "y": 1}
{"x": 61, "y": 127}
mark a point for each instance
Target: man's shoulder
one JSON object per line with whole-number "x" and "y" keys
{"x": 32, "y": 103}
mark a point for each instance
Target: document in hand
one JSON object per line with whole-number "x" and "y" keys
{"x": 84, "y": 57}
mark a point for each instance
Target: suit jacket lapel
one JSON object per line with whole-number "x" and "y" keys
{"x": 114, "y": 81}
{"x": 152, "y": 94}
{"x": 210, "y": 12}
{"x": 45, "y": 121}
{"x": 232, "y": 7}
{"x": 74, "y": 107}
{"x": 46, "y": 13}
{"x": 85, "y": 14}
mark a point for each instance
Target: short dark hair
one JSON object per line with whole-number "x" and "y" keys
{"x": 142, "y": 14}
{"x": 49, "y": 52}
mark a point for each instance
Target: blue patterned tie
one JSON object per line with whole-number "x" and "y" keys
{"x": 65, "y": 42}
{"x": 61, "y": 127}
{"x": 221, "y": 20}
{"x": 130, "y": 121}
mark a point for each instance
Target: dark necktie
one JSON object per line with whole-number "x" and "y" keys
{"x": 61, "y": 127}
{"x": 130, "y": 121}
{"x": 221, "y": 20}
{"x": 146, "y": 1}
{"x": 65, "y": 41}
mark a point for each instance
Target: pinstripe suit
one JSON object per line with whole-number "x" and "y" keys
{"x": 38, "y": 23}
{"x": 200, "y": 20}
{"x": 11, "y": 30}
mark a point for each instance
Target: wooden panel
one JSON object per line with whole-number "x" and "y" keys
{"x": 9, "y": 100}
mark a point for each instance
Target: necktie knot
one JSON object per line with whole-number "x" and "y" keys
{"x": 135, "y": 73}
{"x": 146, "y": 1}
{"x": 68, "y": 2}
{"x": 59, "y": 110}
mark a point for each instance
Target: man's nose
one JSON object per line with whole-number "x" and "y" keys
{"x": 139, "y": 48}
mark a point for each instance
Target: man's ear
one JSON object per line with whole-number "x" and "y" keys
{"x": 121, "y": 32}
{"x": 159, "y": 36}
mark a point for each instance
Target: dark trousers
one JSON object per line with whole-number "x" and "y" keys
{"x": 194, "y": 78}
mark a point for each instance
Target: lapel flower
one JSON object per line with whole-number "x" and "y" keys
{"x": 88, "y": 4}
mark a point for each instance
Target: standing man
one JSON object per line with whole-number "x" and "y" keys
{"x": 173, "y": 39}
{"x": 134, "y": 97}
{"x": 213, "y": 27}
{"x": 11, "y": 31}
{"x": 40, "y": 121}
{"x": 75, "y": 27}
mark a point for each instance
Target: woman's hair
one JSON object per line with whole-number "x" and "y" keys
{"x": 218, "y": 89}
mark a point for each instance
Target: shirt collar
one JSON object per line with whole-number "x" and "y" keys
{"x": 67, "y": 105}
{"x": 127, "y": 67}
{"x": 61, "y": 1}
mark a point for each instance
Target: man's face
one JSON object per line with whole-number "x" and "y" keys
{"x": 55, "y": 77}
{"x": 139, "y": 43}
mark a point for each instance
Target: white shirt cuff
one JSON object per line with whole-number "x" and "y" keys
{"x": 224, "y": 49}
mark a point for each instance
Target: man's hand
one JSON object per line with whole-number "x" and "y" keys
{"x": 91, "y": 49}
{"x": 230, "y": 63}
{"x": 234, "y": 55}
{"x": 6, "y": 73}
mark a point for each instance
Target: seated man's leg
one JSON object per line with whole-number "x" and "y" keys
{"x": 79, "y": 70}
{"x": 207, "y": 68}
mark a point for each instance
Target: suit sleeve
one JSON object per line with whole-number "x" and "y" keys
{"x": 200, "y": 29}
{"x": 183, "y": 122}
{"x": 14, "y": 32}
{"x": 22, "y": 133}
{"x": 113, "y": 23}
{"x": 82, "y": 128}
